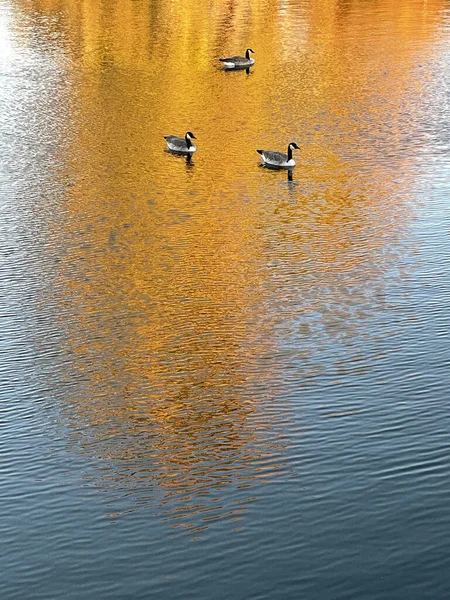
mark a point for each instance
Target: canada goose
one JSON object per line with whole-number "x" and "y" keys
{"x": 180, "y": 144}
{"x": 238, "y": 62}
{"x": 279, "y": 159}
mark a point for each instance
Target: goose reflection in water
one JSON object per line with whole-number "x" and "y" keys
{"x": 289, "y": 172}
{"x": 183, "y": 155}
{"x": 247, "y": 70}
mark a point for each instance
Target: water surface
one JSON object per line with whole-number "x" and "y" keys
{"x": 219, "y": 381}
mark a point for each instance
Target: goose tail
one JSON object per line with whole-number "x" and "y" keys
{"x": 260, "y": 152}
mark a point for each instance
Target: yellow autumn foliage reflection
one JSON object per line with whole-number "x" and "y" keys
{"x": 185, "y": 282}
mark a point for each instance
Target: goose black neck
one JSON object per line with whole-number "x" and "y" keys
{"x": 188, "y": 141}
{"x": 289, "y": 152}
{"x": 247, "y": 54}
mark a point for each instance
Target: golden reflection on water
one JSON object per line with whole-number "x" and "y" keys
{"x": 171, "y": 287}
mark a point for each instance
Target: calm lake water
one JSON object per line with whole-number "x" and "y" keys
{"x": 219, "y": 382}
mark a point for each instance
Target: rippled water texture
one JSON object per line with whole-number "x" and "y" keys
{"x": 219, "y": 381}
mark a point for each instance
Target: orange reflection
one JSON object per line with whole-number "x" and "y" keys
{"x": 182, "y": 283}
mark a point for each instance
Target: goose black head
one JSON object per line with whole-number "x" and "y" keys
{"x": 294, "y": 146}
{"x": 248, "y": 52}
{"x": 189, "y": 134}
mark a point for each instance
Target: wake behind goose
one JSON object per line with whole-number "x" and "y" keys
{"x": 239, "y": 62}
{"x": 180, "y": 144}
{"x": 279, "y": 159}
